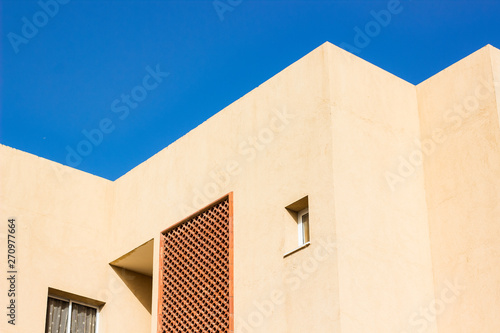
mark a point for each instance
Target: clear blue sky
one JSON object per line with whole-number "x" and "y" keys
{"x": 70, "y": 68}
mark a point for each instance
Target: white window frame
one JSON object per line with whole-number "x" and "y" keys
{"x": 68, "y": 327}
{"x": 300, "y": 227}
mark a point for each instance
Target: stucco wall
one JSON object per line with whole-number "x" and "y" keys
{"x": 462, "y": 178}
{"x": 62, "y": 239}
{"x": 62, "y": 224}
{"x": 289, "y": 119}
{"x": 384, "y": 256}
{"x": 403, "y": 188}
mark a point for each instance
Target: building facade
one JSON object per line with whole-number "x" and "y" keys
{"x": 335, "y": 197}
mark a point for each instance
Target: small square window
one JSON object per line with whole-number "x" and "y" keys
{"x": 68, "y": 316}
{"x": 299, "y": 211}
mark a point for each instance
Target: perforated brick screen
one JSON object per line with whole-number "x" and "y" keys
{"x": 196, "y": 273}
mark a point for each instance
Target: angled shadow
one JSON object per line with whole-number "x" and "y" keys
{"x": 139, "y": 284}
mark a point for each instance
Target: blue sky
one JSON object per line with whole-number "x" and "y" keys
{"x": 134, "y": 76}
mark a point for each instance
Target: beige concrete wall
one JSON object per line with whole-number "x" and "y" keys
{"x": 63, "y": 225}
{"x": 291, "y": 159}
{"x": 462, "y": 180}
{"x": 495, "y": 66}
{"x": 389, "y": 233}
{"x": 351, "y": 120}
{"x": 385, "y": 269}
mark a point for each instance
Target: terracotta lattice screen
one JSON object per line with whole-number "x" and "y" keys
{"x": 196, "y": 275}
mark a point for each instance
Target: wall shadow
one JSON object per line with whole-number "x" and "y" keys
{"x": 139, "y": 284}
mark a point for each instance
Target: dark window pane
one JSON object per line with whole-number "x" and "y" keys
{"x": 57, "y": 316}
{"x": 83, "y": 319}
